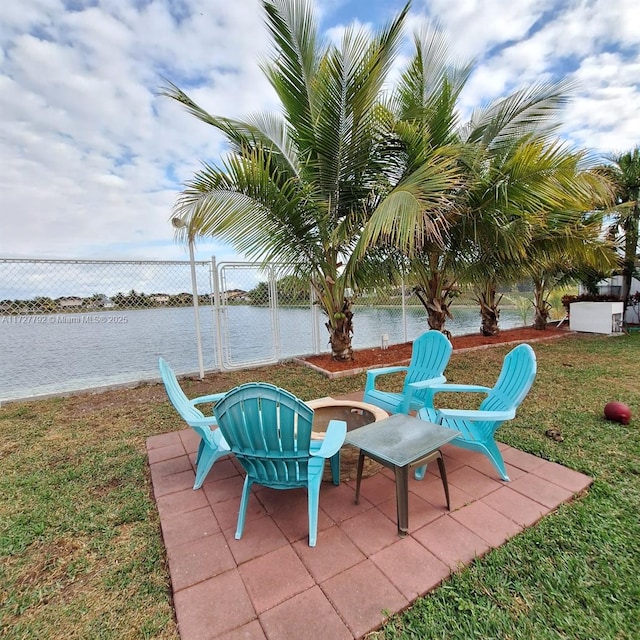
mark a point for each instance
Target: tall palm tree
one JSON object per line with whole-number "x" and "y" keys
{"x": 491, "y": 150}
{"x": 624, "y": 172}
{"x": 299, "y": 187}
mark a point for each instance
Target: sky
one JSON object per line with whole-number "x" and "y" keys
{"x": 93, "y": 158}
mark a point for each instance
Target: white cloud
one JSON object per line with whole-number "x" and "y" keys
{"x": 94, "y": 151}
{"x": 604, "y": 116}
{"x": 477, "y": 25}
{"x": 93, "y": 157}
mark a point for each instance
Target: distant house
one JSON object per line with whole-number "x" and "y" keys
{"x": 183, "y": 298}
{"x": 100, "y": 301}
{"x": 235, "y": 294}
{"x": 160, "y": 298}
{"x": 70, "y": 302}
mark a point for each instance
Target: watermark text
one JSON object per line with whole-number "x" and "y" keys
{"x": 98, "y": 318}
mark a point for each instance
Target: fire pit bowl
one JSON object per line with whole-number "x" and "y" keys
{"x": 355, "y": 414}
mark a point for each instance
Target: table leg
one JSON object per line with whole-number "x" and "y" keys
{"x": 359, "y": 475}
{"x": 402, "y": 499}
{"x": 443, "y": 476}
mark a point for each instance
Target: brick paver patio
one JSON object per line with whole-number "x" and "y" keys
{"x": 271, "y": 584}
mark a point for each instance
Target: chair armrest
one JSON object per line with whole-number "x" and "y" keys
{"x": 372, "y": 374}
{"x": 212, "y": 424}
{"x": 384, "y": 370}
{"x": 408, "y": 401}
{"x": 214, "y": 397}
{"x": 429, "y": 382}
{"x": 431, "y": 389}
{"x": 469, "y": 388}
{"x": 477, "y": 415}
{"x": 205, "y": 421}
{"x": 333, "y": 440}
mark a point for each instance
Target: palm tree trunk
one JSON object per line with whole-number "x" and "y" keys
{"x": 630, "y": 252}
{"x": 340, "y": 329}
{"x": 437, "y": 309}
{"x": 541, "y": 317}
{"x": 541, "y": 306}
{"x": 489, "y": 311}
{"x": 436, "y": 295}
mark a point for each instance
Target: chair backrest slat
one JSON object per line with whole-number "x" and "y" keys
{"x": 430, "y": 355}
{"x": 516, "y": 377}
{"x": 269, "y": 430}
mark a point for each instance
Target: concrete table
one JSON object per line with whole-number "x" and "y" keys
{"x": 400, "y": 443}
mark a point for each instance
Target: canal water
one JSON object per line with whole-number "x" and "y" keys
{"x": 49, "y": 354}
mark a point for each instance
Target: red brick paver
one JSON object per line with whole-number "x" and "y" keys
{"x": 271, "y": 585}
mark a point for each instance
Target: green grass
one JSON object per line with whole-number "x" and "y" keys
{"x": 81, "y": 553}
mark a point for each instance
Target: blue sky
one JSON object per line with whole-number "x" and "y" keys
{"x": 93, "y": 159}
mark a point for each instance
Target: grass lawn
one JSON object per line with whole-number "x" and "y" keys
{"x": 82, "y": 554}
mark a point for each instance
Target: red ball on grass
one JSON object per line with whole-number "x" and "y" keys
{"x": 618, "y": 412}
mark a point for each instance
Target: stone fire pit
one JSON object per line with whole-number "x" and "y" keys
{"x": 356, "y": 414}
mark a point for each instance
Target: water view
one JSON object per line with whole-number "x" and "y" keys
{"x": 49, "y": 354}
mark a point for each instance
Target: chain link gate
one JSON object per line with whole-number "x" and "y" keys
{"x": 262, "y": 315}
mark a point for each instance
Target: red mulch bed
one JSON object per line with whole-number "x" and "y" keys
{"x": 377, "y": 357}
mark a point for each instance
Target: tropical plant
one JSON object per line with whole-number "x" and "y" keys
{"x": 565, "y": 241}
{"x": 634, "y": 303}
{"x": 483, "y": 223}
{"x": 523, "y": 306}
{"x": 623, "y": 171}
{"x": 560, "y": 257}
{"x": 289, "y": 289}
{"x": 300, "y": 187}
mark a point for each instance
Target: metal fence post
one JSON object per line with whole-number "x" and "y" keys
{"x": 196, "y": 309}
{"x": 218, "y": 312}
{"x": 179, "y": 223}
{"x": 404, "y": 313}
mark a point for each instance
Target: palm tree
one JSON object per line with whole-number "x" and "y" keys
{"x": 485, "y": 212}
{"x": 298, "y": 188}
{"x": 559, "y": 255}
{"x": 567, "y": 241}
{"x": 535, "y": 222}
{"x": 624, "y": 172}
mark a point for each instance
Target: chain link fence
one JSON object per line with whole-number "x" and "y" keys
{"x": 67, "y": 325}
{"x": 75, "y": 324}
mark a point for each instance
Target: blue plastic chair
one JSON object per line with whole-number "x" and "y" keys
{"x": 430, "y": 355}
{"x": 478, "y": 427}
{"x": 212, "y": 445}
{"x": 269, "y": 431}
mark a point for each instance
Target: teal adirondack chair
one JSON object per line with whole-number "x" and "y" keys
{"x": 477, "y": 427}
{"x": 430, "y": 355}
{"x": 269, "y": 431}
{"x": 212, "y": 445}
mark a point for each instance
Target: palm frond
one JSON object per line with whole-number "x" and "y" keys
{"x": 416, "y": 212}
{"x": 430, "y": 87}
{"x": 532, "y": 109}
{"x": 247, "y": 203}
{"x": 298, "y": 51}
{"x": 239, "y": 134}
